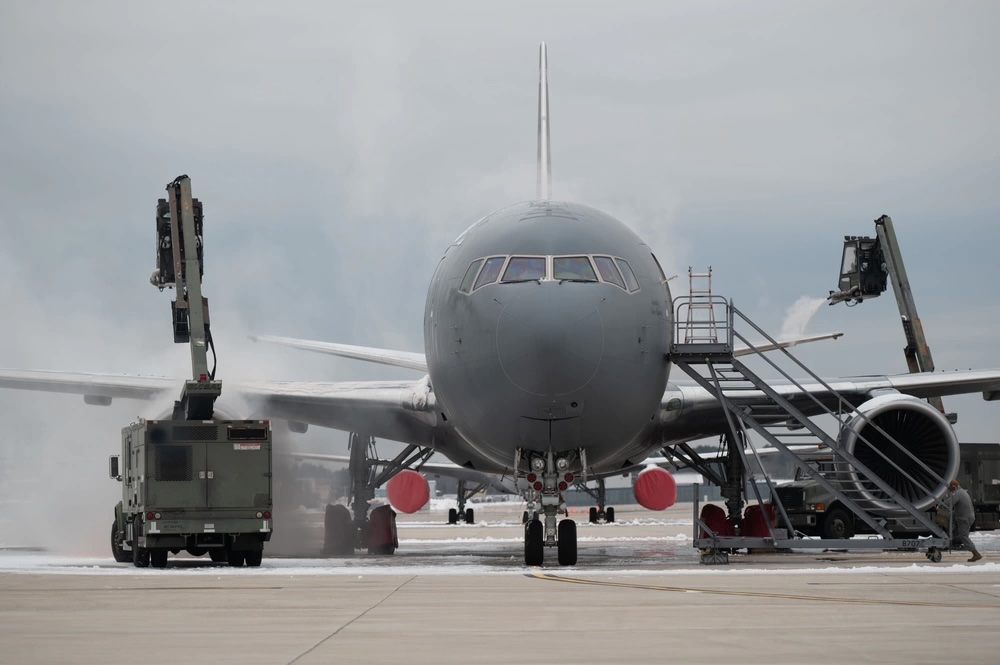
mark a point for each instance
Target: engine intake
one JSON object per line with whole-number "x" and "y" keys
{"x": 919, "y": 428}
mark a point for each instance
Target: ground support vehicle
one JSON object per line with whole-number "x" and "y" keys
{"x": 191, "y": 482}
{"x": 198, "y": 487}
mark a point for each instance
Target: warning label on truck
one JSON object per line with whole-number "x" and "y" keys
{"x": 246, "y": 446}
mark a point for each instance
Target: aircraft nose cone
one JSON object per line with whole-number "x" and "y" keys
{"x": 550, "y": 339}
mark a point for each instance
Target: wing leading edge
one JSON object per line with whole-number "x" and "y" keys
{"x": 405, "y": 359}
{"x": 416, "y": 361}
{"x": 691, "y": 412}
{"x": 396, "y": 410}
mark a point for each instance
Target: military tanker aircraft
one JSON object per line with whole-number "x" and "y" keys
{"x": 548, "y": 331}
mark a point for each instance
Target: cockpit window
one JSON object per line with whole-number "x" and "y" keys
{"x": 609, "y": 273}
{"x": 630, "y": 280}
{"x": 573, "y": 268}
{"x": 491, "y": 270}
{"x": 609, "y": 269}
{"x": 470, "y": 275}
{"x": 524, "y": 269}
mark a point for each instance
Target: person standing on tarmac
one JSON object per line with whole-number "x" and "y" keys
{"x": 963, "y": 515}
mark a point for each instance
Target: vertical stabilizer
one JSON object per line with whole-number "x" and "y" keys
{"x": 544, "y": 158}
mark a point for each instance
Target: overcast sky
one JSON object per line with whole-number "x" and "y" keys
{"x": 338, "y": 148}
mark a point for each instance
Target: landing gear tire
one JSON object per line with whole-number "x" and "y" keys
{"x": 839, "y": 523}
{"x": 934, "y": 554}
{"x": 609, "y": 515}
{"x": 120, "y": 555}
{"x": 534, "y": 543}
{"x": 254, "y": 557}
{"x": 452, "y": 516}
{"x": 593, "y": 515}
{"x": 567, "y": 543}
{"x": 158, "y": 558}
{"x": 340, "y": 534}
{"x": 236, "y": 558}
{"x": 470, "y": 516}
{"x": 524, "y": 517}
{"x": 218, "y": 555}
{"x": 140, "y": 555}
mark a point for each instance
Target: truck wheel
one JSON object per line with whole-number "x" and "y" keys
{"x": 254, "y": 557}
{"x": 218, "y": 555}
{"x": 140, "y": 555}
{"x": 236, "y": 558}
{"x": 121, "y": 556}
{"x": 838, "y": 524}
{"x": 158, "y": 558}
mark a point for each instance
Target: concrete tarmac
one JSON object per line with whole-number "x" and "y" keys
{"x": 461, "y": 596}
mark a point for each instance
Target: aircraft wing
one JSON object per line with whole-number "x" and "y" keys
{"x": 396, "y": 410}
{"x": 500, "y": 483}
{"x": 417, "y": 361}
{"x": 784, "y": 344}
{"x": 693, "y": 412}
{"x": 405, "y": 359}
{"x": 89, "y": 385}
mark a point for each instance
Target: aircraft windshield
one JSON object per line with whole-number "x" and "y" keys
{"x": 524, "y": 268}
{"x": 630, "y": 280}
{"x": 574, "y": 268}
{"x": 490, "y": 271}
{"x": 470, "y": 275}
{"x": 583, "y": 268}
{"x": 609, "y": 273}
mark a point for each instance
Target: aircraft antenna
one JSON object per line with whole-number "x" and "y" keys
{"x": 544, "y": 154}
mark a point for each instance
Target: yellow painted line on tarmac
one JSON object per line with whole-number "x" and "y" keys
{"x": 754, "y": 594}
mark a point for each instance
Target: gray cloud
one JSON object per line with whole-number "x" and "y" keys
{"x": 339, "y": 148}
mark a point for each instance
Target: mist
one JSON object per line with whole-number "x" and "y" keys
{"x": 798, "y": 316}
{"x": 339, "y": 150}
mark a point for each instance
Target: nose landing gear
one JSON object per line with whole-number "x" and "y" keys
{"x": 547, "y": 481}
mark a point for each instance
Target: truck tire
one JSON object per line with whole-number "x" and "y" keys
{"x": 254, "y": 557}
{"x": 236, "y": 558}
{"x": 140, "y": 555}
{"x": 158, "y": 558}
{"x": 838, "y": 524}
{"x": 218, "y": 555}
{"x": 120, "y": 555}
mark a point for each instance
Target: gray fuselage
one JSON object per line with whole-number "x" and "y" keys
{"x": 549, "y": 364}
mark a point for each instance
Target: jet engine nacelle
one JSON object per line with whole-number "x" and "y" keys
{"x": 407, "y": 491}
{"x": 918, "y": 427}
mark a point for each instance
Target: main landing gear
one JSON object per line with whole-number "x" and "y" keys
{"x": 548, "y": 479}
{"x": 345, "y": 532}
{"x": 601, "y": 512}
{"x": 462, "y": 513}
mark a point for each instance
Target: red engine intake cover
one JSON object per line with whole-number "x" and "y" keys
{"x": 655, "y": 488}
{"x": 407, "y": 491}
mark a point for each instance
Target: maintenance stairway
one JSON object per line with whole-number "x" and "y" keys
{"x": 782, "y": 415}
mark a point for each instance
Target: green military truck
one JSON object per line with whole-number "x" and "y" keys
{"x": 203, "y": 487}
{"x": 813, "y": 511}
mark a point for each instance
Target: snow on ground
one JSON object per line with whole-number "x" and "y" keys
{"x": 444, "y": 564}
{"x": 483, "y": 549}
